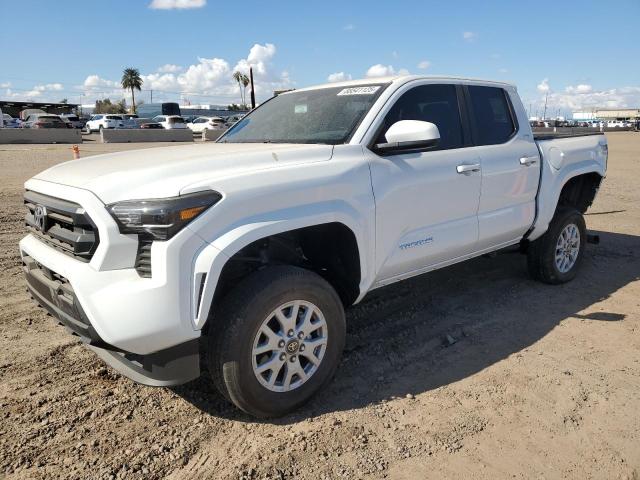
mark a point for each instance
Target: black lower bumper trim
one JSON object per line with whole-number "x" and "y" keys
{"x": 172, "y": 366}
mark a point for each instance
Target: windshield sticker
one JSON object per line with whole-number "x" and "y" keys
{"x": 300, "y": 108}
{"x": 359, "y": 90}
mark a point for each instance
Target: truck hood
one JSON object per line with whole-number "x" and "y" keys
{"x": 164, "y": 172}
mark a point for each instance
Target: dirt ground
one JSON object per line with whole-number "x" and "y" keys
{"x": 474, "y": 371}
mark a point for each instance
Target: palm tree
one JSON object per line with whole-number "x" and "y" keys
{"x": 245, "y": 84}
{"x": 243, "y": 81}
{"x": 131, "y": 81}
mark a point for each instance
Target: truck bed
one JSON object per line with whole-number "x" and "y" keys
{"x": 553, "y": 135}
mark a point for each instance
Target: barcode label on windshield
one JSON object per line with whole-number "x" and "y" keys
{"x": 359, "y": 90}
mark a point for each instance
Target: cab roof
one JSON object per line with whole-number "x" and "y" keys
{"x": 402, "y": 79}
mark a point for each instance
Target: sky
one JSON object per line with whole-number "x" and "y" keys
{"x": 579, "y": 54}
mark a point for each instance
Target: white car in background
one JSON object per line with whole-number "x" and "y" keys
{"x": 207, "y": 123}
{"x": 170, "y": 122}
{"x": 102, "y": 121}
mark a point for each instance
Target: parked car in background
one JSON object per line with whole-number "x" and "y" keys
{"x": 170, "y": 122}
{"x": 43, "y": 120}
{"x": 130, "y": 120}
{"x": 151, "y": 125}
{"x": 8, "y": 121}
{"x": 72, "y": 120}
{"x": 229, "y": 121}
{"x": 101, "y": 121}
{"x": 24, "y": 114}
{"x": 207, "y": 123}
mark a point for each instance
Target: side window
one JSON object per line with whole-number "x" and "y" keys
{"x": 491, "y": 115}
{"x": 437, "y": 104}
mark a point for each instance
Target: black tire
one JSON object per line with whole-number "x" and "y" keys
{"x": 542, "y": 251}
{"x": 237, "y": 321}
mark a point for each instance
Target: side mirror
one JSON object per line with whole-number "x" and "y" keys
{"x": 409, "y": 135}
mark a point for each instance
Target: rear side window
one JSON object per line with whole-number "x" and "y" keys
{"x": 491, "y": 115}
{"x": 437, "y": 104}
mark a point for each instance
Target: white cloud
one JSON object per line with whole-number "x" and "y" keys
{"x": 582, "y": 88}
{"x": 338, "y": 77}
{"x": 543, "y": 86}
{"x": 379, "y": 70}
{"x": 572, "y": 100}
{"x": 176, "y": 4}
{"x": 469, "y": 36}
{"x": 424, "y": 64}
{"x": 348, "y": 27}
{"x": 36, "y": 92}
{"x": 93, "y": 82}
{"x": 503, "y": 70}
{"x": 170, "y": 68}
{"x": 213, "y": 77}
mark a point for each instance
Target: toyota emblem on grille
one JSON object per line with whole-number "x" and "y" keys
{"x": 40, "y": 217}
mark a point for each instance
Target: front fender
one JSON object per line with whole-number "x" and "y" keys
{"x": 211, "y": 259}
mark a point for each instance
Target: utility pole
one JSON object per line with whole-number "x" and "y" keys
{"x": 253, "y": 92}
{"x": 544, "y": 115}
{"x": 151, "y": 97}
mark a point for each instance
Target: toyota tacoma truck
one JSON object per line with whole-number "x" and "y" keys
{"x": 245, "y": 252}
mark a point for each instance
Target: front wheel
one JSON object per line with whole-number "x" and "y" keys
{"x": 556, "y": 256}
{"x": 276, "y": 340}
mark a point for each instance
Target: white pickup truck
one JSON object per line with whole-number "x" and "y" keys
{"x": 250, "y": 248}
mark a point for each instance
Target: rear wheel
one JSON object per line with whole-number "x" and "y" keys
{"x": 556, "y": 256}
{"x": 276, "y": 340}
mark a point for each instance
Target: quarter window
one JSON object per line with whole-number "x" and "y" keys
{"x": 491, "y": 115}
{"x": 437, "y": 104}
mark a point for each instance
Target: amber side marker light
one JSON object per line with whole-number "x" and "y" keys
{"x": 189, "y": 213}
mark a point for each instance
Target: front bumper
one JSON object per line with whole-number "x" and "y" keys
{"x": 172, "y": 366}
{"x": 143, "y": 327}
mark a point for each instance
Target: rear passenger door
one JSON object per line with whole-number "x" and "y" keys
{"x": 426, "y": 203}
{"x": 510, "y": 165}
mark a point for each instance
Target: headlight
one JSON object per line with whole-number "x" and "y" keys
{"x": 161, "y": 218}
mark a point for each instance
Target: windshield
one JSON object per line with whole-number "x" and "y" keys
{"x": 325, "y": 115}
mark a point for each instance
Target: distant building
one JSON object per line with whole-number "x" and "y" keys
{"x": 632, "y": 114}
{"x": 14, "y": 108}
{"x": 208, "y": 110}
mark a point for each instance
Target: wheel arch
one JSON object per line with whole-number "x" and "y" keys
{"x": 216, "y": 260}
{"x": 578, "y": 188}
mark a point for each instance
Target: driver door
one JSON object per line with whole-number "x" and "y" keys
{"x": 426, "y": 200}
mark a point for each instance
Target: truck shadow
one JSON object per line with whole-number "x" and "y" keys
{"x": 447, "y": 325}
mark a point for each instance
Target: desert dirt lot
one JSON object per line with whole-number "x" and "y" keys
{"x": 474, "y": 371}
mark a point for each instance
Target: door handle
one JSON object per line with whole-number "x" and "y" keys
{"x": 468, "y": 169}
{"x": 528, "y": 161}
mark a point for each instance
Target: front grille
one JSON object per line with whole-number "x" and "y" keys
{"x": 143, "y": 257}
{"x": 62, "y": 224}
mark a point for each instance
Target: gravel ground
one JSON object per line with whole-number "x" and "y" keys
{"x": 471, "y": 371}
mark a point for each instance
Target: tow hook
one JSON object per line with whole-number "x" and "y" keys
{"x": 593, "y": 238}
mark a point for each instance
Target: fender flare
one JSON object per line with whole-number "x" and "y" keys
{"x": 556, "y": 183}
{"x": 211, "y": 259}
